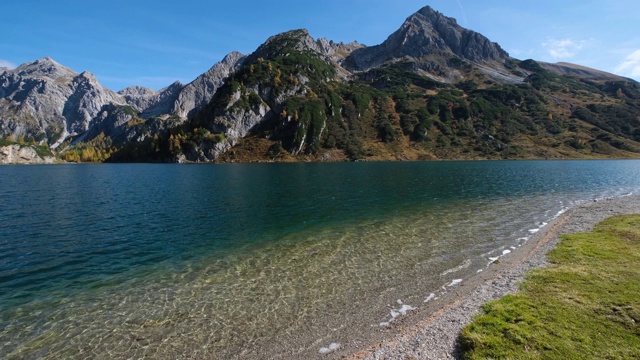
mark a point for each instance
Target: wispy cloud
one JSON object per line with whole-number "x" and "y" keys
{"x": 464, "y": 13}
{"x": 564, "y": 48}
{"x": 7, "y": 64}
{"x": 631, "y": 65}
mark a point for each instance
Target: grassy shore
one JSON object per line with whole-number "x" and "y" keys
{"x": 586, "y": 305}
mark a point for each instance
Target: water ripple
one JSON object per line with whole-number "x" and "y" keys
{"x": 216, "y": 261}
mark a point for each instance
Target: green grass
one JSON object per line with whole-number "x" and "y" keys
{"x": 5, "y": 142}
{"x": 586, "y": 305}
{"x": 43, "y": 151}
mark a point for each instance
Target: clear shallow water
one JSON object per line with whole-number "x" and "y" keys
{"x": 219, "y": 261}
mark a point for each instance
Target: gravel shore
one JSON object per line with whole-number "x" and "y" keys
{"x": 435, "y": 335}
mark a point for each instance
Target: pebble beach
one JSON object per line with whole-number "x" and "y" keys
{"x": 432, "y": 333}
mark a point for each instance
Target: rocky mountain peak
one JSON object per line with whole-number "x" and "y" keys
{"x": 446, "y": 33}
{"x": 299, "y": 40}
{"x": 231, "y": 58}
{"x": 229, "y": 63}
{"x": 175, "y": 85}
{"x": 45, "y": 67}
{"x": 86, "y": 78}
{"x": 301, "y": 36}
{"x": 432, "y": 14}
{"x": 429, "y": 33}
{"x": 337, "y": 52}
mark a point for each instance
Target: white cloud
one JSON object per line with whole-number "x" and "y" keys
{"x": 563, "y": 48}
{"x": 631, "y": 65}
{"x": 7, "y": 64}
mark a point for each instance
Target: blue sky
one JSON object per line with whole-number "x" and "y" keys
{"x": 154, "y": 43}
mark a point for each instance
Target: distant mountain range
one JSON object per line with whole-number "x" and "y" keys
{"x": 432, "y": 90}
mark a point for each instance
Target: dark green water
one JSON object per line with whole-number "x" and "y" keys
{"x": 166, "y": 261}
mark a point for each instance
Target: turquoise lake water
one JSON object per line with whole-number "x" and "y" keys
{"x": 216, "y": 261}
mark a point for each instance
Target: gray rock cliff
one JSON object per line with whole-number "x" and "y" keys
{"x": 200, "y": 91}
{"x": 164, "y": 101}
{"x": 150, "y": 103}
{"x": 337, "y": 52}
{"x": 139, "y": 97}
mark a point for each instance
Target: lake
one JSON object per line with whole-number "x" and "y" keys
{"x": 227, "y": 260}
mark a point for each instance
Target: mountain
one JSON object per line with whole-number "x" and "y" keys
{"x": 434, "y": 43}
{"x": 47, "y": 101}
{"x": 200, "y": 91}
{"x": 182, "y": 100}
{"x": 149, "y": 103}
{"x": 573, "y": 70}
{"x": 431, "y": 90}
{"x": 142, "y": 98}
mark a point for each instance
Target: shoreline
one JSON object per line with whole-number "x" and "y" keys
{"x": 432, "y": 331}
{"x": 50, "y": 160}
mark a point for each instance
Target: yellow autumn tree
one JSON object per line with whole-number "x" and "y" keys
{"x": 276, "y": 79}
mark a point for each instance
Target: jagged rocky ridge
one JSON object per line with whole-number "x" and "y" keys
{"x": 182, "y": 100}
{"x": 50, "y": 103}
{"x": 431, "y": 90}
